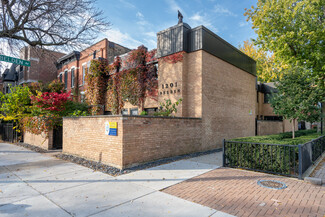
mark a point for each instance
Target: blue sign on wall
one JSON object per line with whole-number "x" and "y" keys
{"x": 111, "y": 128}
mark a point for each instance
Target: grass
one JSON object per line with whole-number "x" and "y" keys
{"x": 302, "y": 136}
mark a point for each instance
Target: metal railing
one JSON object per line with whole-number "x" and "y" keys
{"x": 310, "y": 152}
{"x": 287, "y": 160}
{"x": 8, "y": 133}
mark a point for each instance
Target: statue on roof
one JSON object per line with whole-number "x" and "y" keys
{"x": 180, "y": 17}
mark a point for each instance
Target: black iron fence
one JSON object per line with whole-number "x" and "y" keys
{"x": 311, "y": 151}
{"x": 8, "y": 133}
{"x": 288, "y": 160}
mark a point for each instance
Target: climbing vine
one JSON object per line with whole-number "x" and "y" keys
{"x": 132, "y": 80}
{"x": 96, "y": 78}
{"x": 174, "y": 58}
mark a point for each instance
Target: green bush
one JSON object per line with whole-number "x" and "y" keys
{"x": 302, "y": 136}
{"x": 167, "y": 108}
{"x": 144, "y": 113}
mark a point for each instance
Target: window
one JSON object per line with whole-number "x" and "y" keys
{"x": 66, "y": 79}
{"x": 94, "y": 55}
{"x": 83, "y": 73}
{"x": 125, "y": 112}
{"x": 267, "y": 97}
{"x": 273, "y": 118}
{"x": 82, "y": 98}
{"x": 88, "y": 66}
{"x": 134, "y": 111}
{"x": 151, "y": 111}
{"x": 60, "y": 77}
{"x": 72, "y": 78}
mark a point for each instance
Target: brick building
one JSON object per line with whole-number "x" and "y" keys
{"x": 42, "y": 68}
{"x": 71, "y": 68}
{"x": 217, "y": 83}
{"x": 43, "y": 65}
{"x": 267, "y": 122}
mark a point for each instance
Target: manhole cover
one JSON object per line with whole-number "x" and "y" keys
{"x": 272, "y": 184}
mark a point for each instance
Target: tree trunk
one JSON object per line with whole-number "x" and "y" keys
{"x": 293, "y": 128}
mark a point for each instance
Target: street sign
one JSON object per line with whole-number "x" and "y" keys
{"x": 14, "y": 60}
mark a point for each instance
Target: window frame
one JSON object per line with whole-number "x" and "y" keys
{"x": 72, "y": 76}
{"x": 134, "y": 109}
{"x": 66, "y": 78}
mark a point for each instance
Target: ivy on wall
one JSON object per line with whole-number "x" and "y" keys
{"x": 96, "y": 78}
{"x": 132, "y": 80}
{"x": 174, "y": 58}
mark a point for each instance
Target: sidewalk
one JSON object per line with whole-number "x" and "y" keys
{"x": 319, "y": 171}
{"x": 236, "y": 192}
{"x": 33, "y": 184}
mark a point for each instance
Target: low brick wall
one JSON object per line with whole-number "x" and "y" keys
{"x": 274, "y": 127}
{"x": 39, "y": 140}
{"x": 139, "y": 138}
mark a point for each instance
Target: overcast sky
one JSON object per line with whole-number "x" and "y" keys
{"x": 136, "y": 22}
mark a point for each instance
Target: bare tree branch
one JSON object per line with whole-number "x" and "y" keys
{"x": 44, "y": 23}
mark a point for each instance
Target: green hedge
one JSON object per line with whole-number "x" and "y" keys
{"x": 272, "y": 158}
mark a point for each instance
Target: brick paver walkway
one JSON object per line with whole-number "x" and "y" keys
{"x": 236, "y": 192}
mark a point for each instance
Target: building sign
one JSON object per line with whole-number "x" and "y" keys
{"x": 170, "y": 88}
{"x": 14, "y": 60}
{"x": 111, "y": 128}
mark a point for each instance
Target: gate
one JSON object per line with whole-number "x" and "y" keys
{"x": 9, "y": 134}
{"x": 57, "y": 138}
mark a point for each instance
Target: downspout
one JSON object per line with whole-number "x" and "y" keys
{"x": 76, "y": 83}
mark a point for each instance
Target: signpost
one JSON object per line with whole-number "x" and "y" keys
{"x": 14, "y": 60}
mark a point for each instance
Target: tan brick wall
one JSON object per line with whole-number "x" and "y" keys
{"x": 39, "y": 140}
{"x": 287, "y": 125}
{"x": 172, "y": 74}
{"x": 274, "y": 127}
{"x": 193, "y": 89}
{"x": 85, "y": 137}
{"x": 222, "y": 94}
{"x": 269, "y": 127}
{"x": 228, "y": 101}
{"x": 146, "y": 139}
{"x": 139, "y": 139}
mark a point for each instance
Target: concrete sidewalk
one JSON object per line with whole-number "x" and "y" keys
{"x": 33, "y": 184}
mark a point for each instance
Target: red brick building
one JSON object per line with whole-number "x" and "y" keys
{"x": 43, "y": 65}
{"x": 71, "y": 68}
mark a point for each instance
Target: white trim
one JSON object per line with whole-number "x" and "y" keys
{"x": 34, "y": 59}
{"x": 84, "y": 63}
{"x": 27, "y": 81}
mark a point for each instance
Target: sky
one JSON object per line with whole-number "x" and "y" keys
{"x": 136, "y": 22}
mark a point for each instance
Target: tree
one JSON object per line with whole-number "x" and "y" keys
{"x": 297, "y": 97}
{"x": 16, "y": 104}
{"x": 46, "y": 23}
{"x": 294, "y": 31}
{"x": 266, "y": 70}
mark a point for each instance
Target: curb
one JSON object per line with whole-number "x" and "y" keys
{"x": 315, "y": 181}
